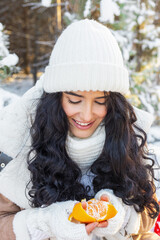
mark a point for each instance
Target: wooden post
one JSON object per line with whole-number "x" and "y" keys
{"x": 59, "y": 19}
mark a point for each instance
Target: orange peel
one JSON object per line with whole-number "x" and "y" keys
{"x": 96, "y": 211}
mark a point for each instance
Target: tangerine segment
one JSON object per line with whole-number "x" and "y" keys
{"x": 95, "y": 211}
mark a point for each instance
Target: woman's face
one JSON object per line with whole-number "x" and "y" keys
{"x": 84, "y": 110}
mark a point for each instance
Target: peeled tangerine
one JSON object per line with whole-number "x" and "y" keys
{"x": 95, "y": 211}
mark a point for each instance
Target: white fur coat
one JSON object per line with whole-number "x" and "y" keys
{"x": 15, "y": 141}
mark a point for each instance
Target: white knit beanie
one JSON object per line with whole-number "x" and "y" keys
{"x": 86, "y": 57}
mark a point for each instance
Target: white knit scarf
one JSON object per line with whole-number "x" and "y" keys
{"x": 84, "y": 151}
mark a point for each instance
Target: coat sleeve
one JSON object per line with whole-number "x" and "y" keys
{"x": 7, "y": 212}
{"x": 146, "y": 224}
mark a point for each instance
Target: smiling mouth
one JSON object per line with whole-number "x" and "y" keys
{"x": 82, "y": 124}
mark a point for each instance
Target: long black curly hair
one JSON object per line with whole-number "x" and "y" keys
{"x": 123, "y": 166}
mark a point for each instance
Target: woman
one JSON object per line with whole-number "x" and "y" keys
{"x": 76, "y": 137}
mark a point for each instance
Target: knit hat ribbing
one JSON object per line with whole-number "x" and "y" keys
{"x": 86, "y": 57}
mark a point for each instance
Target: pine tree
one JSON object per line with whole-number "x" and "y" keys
{"x": 142, "y": 46}
{"x": 7, "y": 60}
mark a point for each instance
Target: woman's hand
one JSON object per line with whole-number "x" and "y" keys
{"x": 53, "y": 220}
{"x": 91, "y": 226}
{"x": 115, "y": 223}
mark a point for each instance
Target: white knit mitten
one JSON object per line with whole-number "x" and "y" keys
{"x": 52, "y": 220}
{"x": 37, "y": 234}
{"x": 126, "y": 221}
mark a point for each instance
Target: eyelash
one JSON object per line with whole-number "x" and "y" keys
{"x": 80, "y": 101}
{"x": 73, "y": 102}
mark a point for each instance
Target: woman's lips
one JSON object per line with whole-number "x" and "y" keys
{"x": 82, "y": 127}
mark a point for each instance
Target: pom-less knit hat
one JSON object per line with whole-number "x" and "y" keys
{"x": 86, "y": 57}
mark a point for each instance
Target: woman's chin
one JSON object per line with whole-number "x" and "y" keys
{"x": 82, "y": 133}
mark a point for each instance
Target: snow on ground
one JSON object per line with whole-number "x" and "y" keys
{"x": 18, "y": 86}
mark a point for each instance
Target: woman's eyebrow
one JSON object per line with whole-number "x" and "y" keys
{"x": 101, "y": 97}
{"x": 74, "y": 94}
{"x": 77, "y": 95}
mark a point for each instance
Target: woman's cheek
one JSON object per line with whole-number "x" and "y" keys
{"x": 101, "y": 112}
{"x": 70, "y": 111}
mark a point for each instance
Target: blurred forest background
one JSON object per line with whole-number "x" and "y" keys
{"x": 30, "y": 28}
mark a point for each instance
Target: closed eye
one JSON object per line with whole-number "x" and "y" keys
{"x": 101, "y": 103}
{"x": 73, "y": 102}
{"x": 80, "y": 101}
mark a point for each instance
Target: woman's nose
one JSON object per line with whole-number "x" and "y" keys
{"x": 86, "y": 113}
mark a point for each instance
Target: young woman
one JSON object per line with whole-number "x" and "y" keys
{"x": 73, "y": 136}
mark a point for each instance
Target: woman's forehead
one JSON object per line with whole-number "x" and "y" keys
{"x": 93, "y": 94}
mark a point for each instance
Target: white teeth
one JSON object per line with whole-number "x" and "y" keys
{"x": 82, "y": 124}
